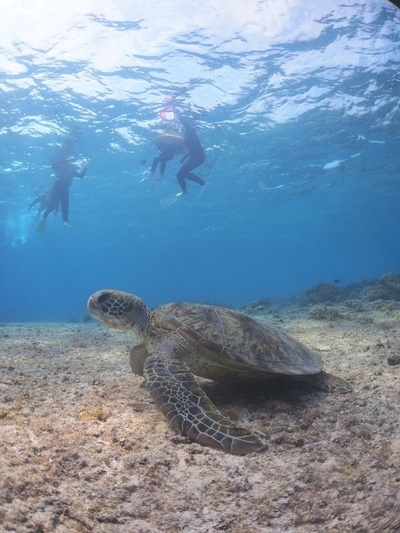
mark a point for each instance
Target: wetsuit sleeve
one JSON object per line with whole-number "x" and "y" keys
{"x": 81, "y": 174}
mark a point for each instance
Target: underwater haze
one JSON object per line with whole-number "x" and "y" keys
{"x": 297, "y": 105}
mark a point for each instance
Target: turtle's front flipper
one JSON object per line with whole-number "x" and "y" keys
{"x": 190, "y": 411}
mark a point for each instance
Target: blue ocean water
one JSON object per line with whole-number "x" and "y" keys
{"x": 297, "y": 107}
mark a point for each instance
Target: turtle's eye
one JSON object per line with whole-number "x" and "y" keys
{"x": 102, "y": 298}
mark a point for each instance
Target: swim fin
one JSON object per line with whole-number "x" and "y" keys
{"x": 199, "y": 195}
{"x": 41, "y": 226}
{"x": 156, "y": 184}
{"x": 170, "y": 199}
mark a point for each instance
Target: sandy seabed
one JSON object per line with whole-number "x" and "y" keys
{"x": 84, "y": 449}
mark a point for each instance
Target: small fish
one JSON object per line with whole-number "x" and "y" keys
{"x": 337, "y": 280}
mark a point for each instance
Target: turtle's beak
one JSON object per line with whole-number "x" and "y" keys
{"x": 94, "y": 307}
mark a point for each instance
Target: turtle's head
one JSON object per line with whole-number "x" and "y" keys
{"x": 119, "y": 310}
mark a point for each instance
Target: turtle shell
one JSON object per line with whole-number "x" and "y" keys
{"x": 223, "y": 344}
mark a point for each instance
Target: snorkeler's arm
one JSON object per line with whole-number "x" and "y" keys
{"x": 81, "y": 174}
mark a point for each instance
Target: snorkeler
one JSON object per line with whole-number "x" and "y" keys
{"x": 193, "y": 159}
{"x": 59, "y": 194}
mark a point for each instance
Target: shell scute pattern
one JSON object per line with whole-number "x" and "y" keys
{"x": 235, "y": 340}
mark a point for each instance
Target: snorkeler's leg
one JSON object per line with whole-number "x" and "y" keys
{"x": 156, "y": 160}
{"x": 41, "y": 227}
{"x": 185, "y": 171}
{"x": 157, "y": 181}
{"x": 65, "y": 208}
{"x": 181, "y": 180}
{"x": 193, "y": 177}
{"x": 42, "y": 224}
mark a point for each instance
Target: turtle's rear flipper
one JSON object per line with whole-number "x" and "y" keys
{"x": 41, "y": 226}
{"x": 329, "y": 382}
{"x": 188, "y": 409}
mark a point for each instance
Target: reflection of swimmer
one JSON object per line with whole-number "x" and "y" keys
{"x": 193, "y": 159}
{"x": 65, "y": 171}
{"x": 169, "y": 145}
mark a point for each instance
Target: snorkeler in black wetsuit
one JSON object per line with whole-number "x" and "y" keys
{"x": 59, "y": 193}
{"x": 193, "y": 159}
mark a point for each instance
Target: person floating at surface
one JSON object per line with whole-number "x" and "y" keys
{"x": 65, "y": 172}
{"x": 168, "y": 149}
{"x": 59, "y": 194}
{"x": 193, "y": 159}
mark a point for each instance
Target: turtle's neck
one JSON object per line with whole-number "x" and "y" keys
{"x": 143, "y": 320}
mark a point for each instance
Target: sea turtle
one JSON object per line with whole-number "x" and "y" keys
{"x": 180, "y": 339}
